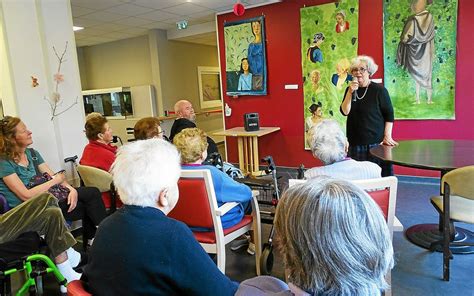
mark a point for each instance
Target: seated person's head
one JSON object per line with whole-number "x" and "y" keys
{"x": 192, "y": 144}
{"x": 97, "y": 129}
{"x": 328, "y": 142}
{"x": 147, "y": 128}
{"x": 146, "y": 173}
{"x": 8, "y": 137}
{"x": 92, "y": 115}
{"x": 184, "y": 109}
{"x": 333, "y": 238}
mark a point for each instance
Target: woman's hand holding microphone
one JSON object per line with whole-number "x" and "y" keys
{"x": 354, "y": 85}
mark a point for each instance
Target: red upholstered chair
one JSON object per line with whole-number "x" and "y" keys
{"x": 76, "y": 288}
{"x": 197, "y": 207}
{"x": 384, "y": 192}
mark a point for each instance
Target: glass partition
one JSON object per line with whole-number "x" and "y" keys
{"x": 109, "y": 102}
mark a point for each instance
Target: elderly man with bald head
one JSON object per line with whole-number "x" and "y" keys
{"x": 187, "y": 119}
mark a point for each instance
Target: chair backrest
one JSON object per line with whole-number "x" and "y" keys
{"x": 461, "y": 182}
{"x": 382, "y": 190}
{"x": 95, "y": 177}
{"x": 197, "y": 200}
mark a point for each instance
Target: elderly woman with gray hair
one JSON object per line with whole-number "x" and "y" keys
{"x": 334, "y": 241}
{"x": 369, "y": 113}
{"x": 139, "y": 250}
{"x": 329, "y": 144}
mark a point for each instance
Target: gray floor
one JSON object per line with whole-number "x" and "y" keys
{"x": 417, "y": 271}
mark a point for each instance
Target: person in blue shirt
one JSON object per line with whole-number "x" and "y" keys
{"x": 192, "y": 145}
{"x": 245, "y": 78}
{"x": 314, "y": 52}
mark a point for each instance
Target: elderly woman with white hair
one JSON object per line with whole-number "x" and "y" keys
{"x": 334, "y": 241}
{"x": 329, "y": 144}
{"x": 139, "y": 250}
{"x": 369, "y": 112}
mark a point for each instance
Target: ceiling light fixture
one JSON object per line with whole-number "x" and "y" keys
{"x": 182, "y": 24}
{"x": 76, "y": 28}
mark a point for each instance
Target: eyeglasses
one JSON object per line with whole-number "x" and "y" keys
{"x": 361, "y": 70}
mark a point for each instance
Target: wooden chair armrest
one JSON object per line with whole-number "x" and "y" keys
{"x": 222, "y": 210}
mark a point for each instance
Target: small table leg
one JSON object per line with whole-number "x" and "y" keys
{"x": 250, "y": 155}
{"x": 256, "y": 160}
{"x": 240, "y": 143}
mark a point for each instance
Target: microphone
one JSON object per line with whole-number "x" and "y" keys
{"x": 354, "y": 93}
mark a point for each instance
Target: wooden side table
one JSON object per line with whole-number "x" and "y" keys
{"x": 249, "y": 161}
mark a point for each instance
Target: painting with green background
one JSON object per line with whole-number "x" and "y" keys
{"x": 337, "y": 49}
{"x": 400, "y": 82}
{"x": 238, "y": 37}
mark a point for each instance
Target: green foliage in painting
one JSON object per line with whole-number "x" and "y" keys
{"x": 337, "y": 48}
{"x": 237, "y": 39}
{"x": 399, "y": 82}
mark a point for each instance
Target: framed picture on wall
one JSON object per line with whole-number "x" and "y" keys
{"x": 246, "y": 65}
{"x": 209, "y": 87}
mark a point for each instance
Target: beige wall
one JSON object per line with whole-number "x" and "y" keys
{"x": 119, "y": 63}
{"x": 129, "y": 62}
{"x": 179, "y": 75}
{"x": 82, "y": 67}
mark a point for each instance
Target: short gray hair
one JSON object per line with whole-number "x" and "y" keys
{"x": 178, "y": 104}
{"x": 369, "y": 61}
{"x": 143, "y": 169}
{"x": 333, "y": 238}
{"x": 327, "y": 141}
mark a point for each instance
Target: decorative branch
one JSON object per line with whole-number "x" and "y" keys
{"x": 55, "y": 101}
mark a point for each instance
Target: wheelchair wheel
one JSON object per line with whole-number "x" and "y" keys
{"x": 266, "y": 260}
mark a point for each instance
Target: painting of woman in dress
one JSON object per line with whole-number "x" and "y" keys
{"x": 341, "y": 24}
{"x": 316, "y": 116}
{"x": 341, "y": 77}
{"x": 314, "y": 53}
{"x": 416, "y": 49}
{"x": 255, "y": 55}
{"x": 245, "y": 78}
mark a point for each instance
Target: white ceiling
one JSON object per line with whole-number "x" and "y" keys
{"x": 110, "y": 20}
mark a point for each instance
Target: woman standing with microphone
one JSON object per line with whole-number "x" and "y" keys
{"x": 369, "y": 113}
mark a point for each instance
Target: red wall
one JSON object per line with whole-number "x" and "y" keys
{"x": 284, "y": 108}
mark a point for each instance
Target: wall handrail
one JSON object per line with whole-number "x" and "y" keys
{"x": 169, "y": 115}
